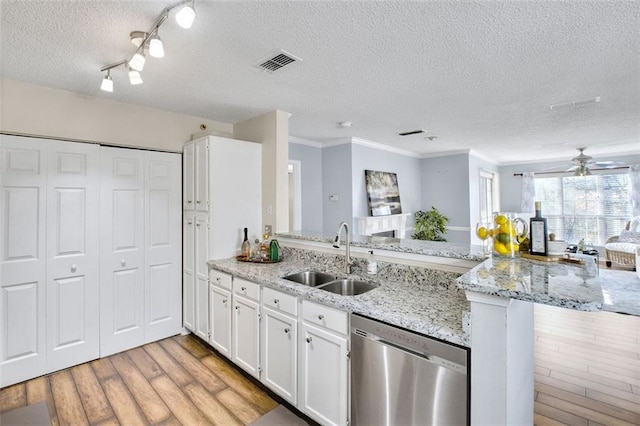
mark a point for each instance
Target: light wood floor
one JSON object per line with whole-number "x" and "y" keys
{"x": 171, "y": 382}
{"x": 587, "y": 373}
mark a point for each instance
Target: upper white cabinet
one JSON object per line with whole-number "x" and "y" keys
{"x": 224, "y": 176}
{"x": 141, "y": 248}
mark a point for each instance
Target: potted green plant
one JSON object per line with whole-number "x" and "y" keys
{"x": 430, "y": 225}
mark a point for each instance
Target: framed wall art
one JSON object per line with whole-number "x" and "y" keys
{"x": 383, "y": 193}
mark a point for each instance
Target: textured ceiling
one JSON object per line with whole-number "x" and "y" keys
{"x": 479, "y": 75}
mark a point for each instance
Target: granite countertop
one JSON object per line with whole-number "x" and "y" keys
{"x": 434, "y": 308}
{"x": 402, "y": 245}
{"x": 567, "y": 285}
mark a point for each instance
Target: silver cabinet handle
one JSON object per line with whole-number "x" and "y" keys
{"x": 189, "y": 201}
{"x": 243, "y": 288}
{"x": 197, "y": 201}
{"x": 197, "y": 224}
{"x": 218, "y": 279}
{"x": 224, "y": 301}
{"x": 237, "y": 307}
{"x": 286, "y": 330}
{"x": 74, "y": 267}
{"x": 308, "y": 339}
{"x": 320, "y": 317}
{"x": 189, "y": 223}
{"x": 123, "y": 262}
{"x": 276, "y": 301}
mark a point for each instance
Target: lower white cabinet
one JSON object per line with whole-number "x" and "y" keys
{"x": 280, "y": 353}
{"x": 220, "y": 312}
{"x": 324, "y": 367}
{"x": 245, "y": 325}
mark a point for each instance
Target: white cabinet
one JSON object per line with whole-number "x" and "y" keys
{"x": 220, "y": 312}
{"x": 222, "y": 195}
{"x": 324, "y": 364}
{"x": 245, "y": 326}
{"x": 280, "y": 344}
{"x": 141, "y": 248}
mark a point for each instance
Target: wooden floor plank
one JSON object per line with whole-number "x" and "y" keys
{"x": 192, "y": 345}
{"x": 581, "y": 411}
{"x": 561, "y": 384}
{"x": 103, "y": 368}
{"x": 590, "y": 383}
{"x": 145, "y": 363}
{"x": 210, "y": 381}
{"x": 39, "y": 390}
{"x": 94, "y": 401}
{"x": 170, "y": 366}
{"x": 215, "y": 412}
{"x": 558, "y": 415}
{"x": 183, "y": 409}
{"x": 122, "y": 402}
{"x": 152, "y": 406}
{"x": 239, "y": 383}
{"x": 65, "y": 395}
{"x": 540, "y": 420}
{"x": 13, "y": 397}
{"x": 625, "y": 404}
{"x": 240, "y": 407}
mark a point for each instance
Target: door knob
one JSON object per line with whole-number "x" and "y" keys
{"x": 308, "y": 339}
{"x": 286, "y": 330}
{"x": 320, "y": 317}
{"x": 237, "y": 307}
{"x": 224, "y": 301}
{"x": 243, "y": 289}
{"x": 218, "y": 279}
{"x": 276, "y": 301}
{"x": 123, "y": 262}
{"x": 74, "y": 267}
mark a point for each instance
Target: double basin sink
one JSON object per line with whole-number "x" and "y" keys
{"x": 331, "y": 283}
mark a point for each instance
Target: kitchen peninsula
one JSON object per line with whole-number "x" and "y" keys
{"x": 429, "y": 299}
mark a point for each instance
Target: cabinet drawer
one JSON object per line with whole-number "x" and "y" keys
{"x": 246, "y": 288}
{"x": 325, "y": 316}
{"x": 280, "y": 301}
{"x": 220, "y": 279}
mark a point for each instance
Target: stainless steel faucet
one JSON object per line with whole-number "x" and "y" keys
{"x": 347, "y": 261}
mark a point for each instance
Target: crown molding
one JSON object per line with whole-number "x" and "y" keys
{"x": 303, "y": 141}
{"x": 445, "y": 153}
{"x": 382, "y": 147}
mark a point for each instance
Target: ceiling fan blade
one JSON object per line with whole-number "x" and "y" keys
{"x": 606, "y": 164}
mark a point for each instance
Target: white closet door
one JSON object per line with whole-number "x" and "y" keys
{"x": 73, "y": 291}
{"x": 163, "y": 245}
{"x": 122, "y": 250}
{"x": 22, "y": 259}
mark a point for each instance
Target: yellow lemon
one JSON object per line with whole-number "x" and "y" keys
{"x": 501, "y": 219}
{"x": 482, "y": 232}
{"x": 500, "y": 248}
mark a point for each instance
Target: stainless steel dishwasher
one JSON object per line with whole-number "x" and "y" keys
{"x": 403, "y": 378}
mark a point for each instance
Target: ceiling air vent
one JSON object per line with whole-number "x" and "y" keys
{"x": 412, "y": 132}
{"x": 276, "y": 62}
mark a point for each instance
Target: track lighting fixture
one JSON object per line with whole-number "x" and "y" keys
{"x": 148, "y": 40}
{"x": 107, "y": 82}
{"x": 134, "y": 77}
{"x": 185, "y": 17}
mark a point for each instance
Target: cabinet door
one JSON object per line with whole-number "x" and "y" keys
{"x": 122, "y": 250}
{"x": 188, "y": 272}
{"x": 22, "y": 258}
{"x": 220, "y": 301}
{"x": 201, "y": 278}
{"x": 279, "y": 354}
{"x": 188, "y": 174}
{"x": 73, "y": 292}
{"x": 163, "y": 246}
{"x": 202, "y": 175}
{"x": 246, "y": 335}
{"x": 324, "y": 375}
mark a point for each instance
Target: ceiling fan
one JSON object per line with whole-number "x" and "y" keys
{"x": 583, "y": 160}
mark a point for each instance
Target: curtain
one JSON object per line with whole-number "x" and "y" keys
{"x": 634, "y": 177}
{"x": 528, "y": 193}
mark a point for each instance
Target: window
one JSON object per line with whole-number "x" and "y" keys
{"x": 592, "y": 207}
{"x": 488, "y": 195}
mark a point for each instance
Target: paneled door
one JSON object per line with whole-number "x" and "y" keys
{"x": 201, "y": 177}
{"x": 22, "y": 259}
{"x": 163, "y": 241}
{"x": 188, "y": 183}
{"x": 73, "y": 292}
{"x": 201, "y": 270}
{"x": 188, "y": 272}
{"x": 122, "y": 249}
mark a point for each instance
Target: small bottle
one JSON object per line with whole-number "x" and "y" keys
{"x": 538, "y": 232}
{"x": 245, "y": 251}
{"x": 372, "y": 265}
{"x": 255, "y": 250}
{"x": 581, "y": 246}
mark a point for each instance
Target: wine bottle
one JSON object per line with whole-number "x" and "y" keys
{"x": 538, "y": 229}
{"x": 246, "y": 246}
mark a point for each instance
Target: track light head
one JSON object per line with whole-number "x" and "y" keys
{"x": 137, "y": 37}
{"x": 185, "y": 16}
{"x": 156, "y": 48}
{"x": 134, "y": 77}
{"x": 107, "y": 83}
{"x": 137, "y": 60}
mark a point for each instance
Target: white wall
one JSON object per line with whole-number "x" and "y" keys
{"x": 310, "y": 158}
{"x": 41, "y": 111}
